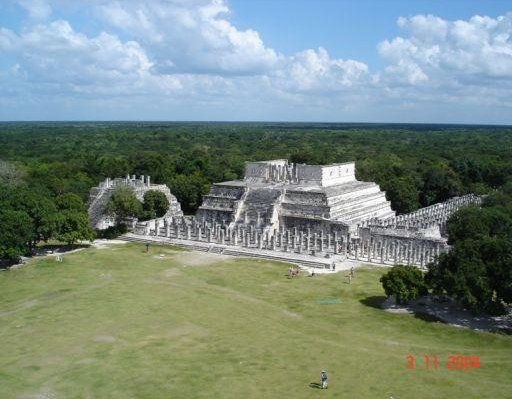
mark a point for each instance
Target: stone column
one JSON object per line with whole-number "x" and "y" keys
{"x": 157, "y": 228}
{"x": 199, "y": 234}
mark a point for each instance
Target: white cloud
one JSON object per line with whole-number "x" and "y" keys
{"x": 450, "y": 52}
{"x": 37, "y": 9}
{"x": 177, "y": 54}
{"x": 315, "y": 71}
{"x": 56, "y": 55}
{"x": 194, "y": 36}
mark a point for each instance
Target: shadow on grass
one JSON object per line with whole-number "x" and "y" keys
{"x": 374, "y": 301}
{"x": 427, "y": 317}
{"x": 315, "y": 385}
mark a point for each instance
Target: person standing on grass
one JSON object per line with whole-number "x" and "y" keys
{"x": 324, "y": 379}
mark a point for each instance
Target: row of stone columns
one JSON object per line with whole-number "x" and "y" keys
{"x": 397, "y": 251}
{"x": 430, "y": 216}
{"x": 381, "y": 249}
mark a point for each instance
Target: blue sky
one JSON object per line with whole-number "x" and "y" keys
{"x": 282, "y": 60}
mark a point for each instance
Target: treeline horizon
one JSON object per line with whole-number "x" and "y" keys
{"x": 417, "y": 165}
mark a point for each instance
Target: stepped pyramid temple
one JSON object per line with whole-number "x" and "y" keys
{"x": 278, "y": 194}
{"x": 311, "y": 215}
{"x": 99, "y": 196}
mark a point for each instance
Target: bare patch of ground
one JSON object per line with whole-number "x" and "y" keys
{"x": 104, "y": 338}
{"x": 46, "y": 394}
{"x": 194, "y": 258}
{"x": 188, "y": 330}
{"x": 291, "y": 315}
{"x": 102, "y": 244}
{"x": 22, "y": 306}
{"x": 171, "y": 272}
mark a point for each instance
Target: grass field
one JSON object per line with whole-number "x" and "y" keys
{"x": 119, "y": 323}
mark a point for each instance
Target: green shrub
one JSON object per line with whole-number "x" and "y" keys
{"x": 406, "y": 283}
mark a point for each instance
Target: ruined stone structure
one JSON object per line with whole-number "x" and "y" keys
{"x": 407, "y": 239}
{"x": 276, "y": 194}
{"x": 311, "y": 215}
{"x": 99, "y": 196}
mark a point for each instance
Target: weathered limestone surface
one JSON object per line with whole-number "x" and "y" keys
{"x": 277, "y": 193}
{"x": 99, "y": 196}
{"x": 320, "y": 212}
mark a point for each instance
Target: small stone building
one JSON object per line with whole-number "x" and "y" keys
{"x": 99, "y": 196}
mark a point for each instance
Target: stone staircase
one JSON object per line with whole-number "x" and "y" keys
{"x": 263, "y": 201}
{"x": 96, "y": 205}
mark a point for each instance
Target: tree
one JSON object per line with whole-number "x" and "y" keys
{"x": 70, "y": 202}
{"x": 123, "y": 204}
{"x": 72, "y": 221}
{"x": 404, "y": 282}
{"x": 8, "y": 174}
{"x": 403, "y": 194}
{"x": 477, "y": 270}
{"x": 462, "y": 274}
{"x": 189, "y": 190}
{"x": 15, "y": 233}
{"x": 441, "y": 183}
{"x": 155, "y": 204}
{"x": 43, "y": 212}
{"x": 74, "y": 226}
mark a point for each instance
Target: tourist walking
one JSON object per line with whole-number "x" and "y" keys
{"x": 324, "y": 379}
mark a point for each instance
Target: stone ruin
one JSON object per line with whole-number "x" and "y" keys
{"x": 276, "y": 194}
{"x": 308, "y": 214}
{"x": 99, "y": 196}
